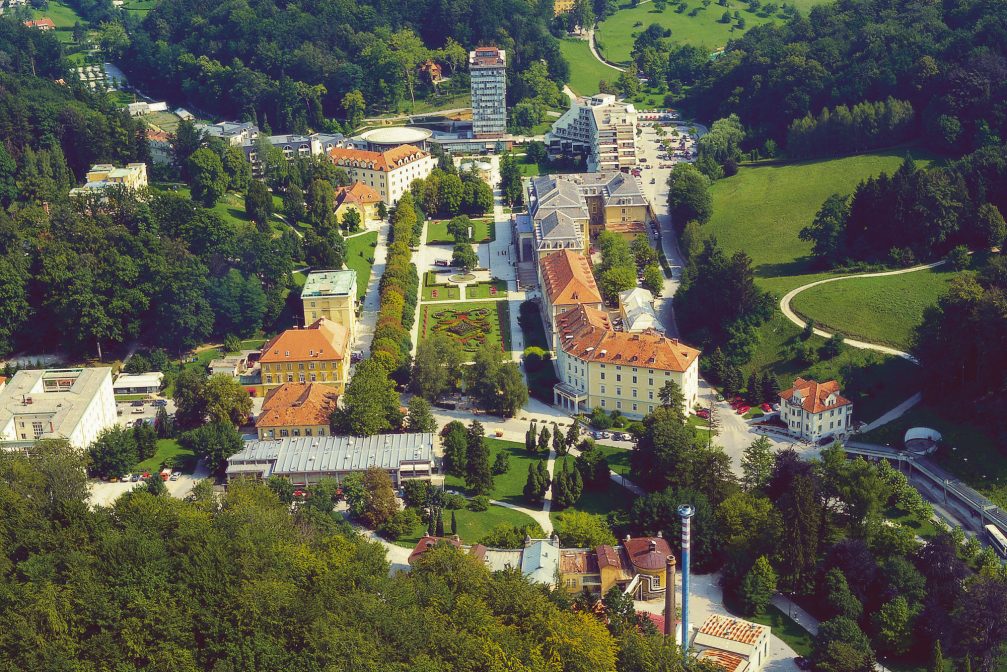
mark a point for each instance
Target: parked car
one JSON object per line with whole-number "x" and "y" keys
{"x": 442, "y": 263}
{"x": 145, "y": 476}
{"x": 175, "y": 475}
{"x": 299, "y": 493}
{"x": 743, "y": 409}
{"x": 134, "y": 478}
{"x": 703, "y": 413}
{"x": 160, "y": 402}
{"x": 125, "y": 478}
{"x": 138, "y": 410}
{"x": 138, "y": 402}
{"x": 766, "y": 408}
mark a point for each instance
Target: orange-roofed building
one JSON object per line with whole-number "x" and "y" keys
{"x": 44, "y": 24}
{"x": 296, "y": 409}
{"x": 360, "y": 197}
{"x": 733, "y": 644}
{"x": 389, "y": 173}
{"x": 567, "y": 282}
{"x": 617, "y": 370}
{"x": 318, "y": 353}
{"x": 815, "y": 411}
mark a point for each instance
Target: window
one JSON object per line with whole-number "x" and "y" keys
{"x": 312, "y": 377}
{"x": 634, "y": 380}
{"x": 269, "y": 379}
{"x": 634, "y": 393}
{"x": 603, "y": 375}
{"x": 618, "y": 391}
{"x": 603, "y": 389}
{"x": 618, "y": 378}
{"x": 311, "y": 365}
{"x": 650, "y": 395}
{"x": 290, "y": 377}
{"x": 284, "y": 432}
{"x": 634, "y": 407}
{"x": 650, "y": 381}
{"x": 300, "y": 377}
{"x": 307, "y": 431}
{"x": 618, "y": 404}
{"x": 321, "y": 431}
{"x": 297, "y": 432}
{"x": 603, "y": 403}
{"x": 36, "y": 428}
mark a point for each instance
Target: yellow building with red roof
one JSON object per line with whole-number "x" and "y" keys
{"x": 360, "y": 197}
{"x": 296, "y": 409}
{"x": 389, "y": 173}
{"x": 567, "y": 282}
{"x": 617, "y": 370}
{"x": 318, "y": 353}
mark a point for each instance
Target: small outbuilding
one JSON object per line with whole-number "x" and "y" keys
{"x": 138, "y": 383}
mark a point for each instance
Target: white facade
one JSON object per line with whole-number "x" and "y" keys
{"x": 601, "y": 128}
{"x": 388, "y": 172}
{"x": 815, "y": 411}
{"x": 488, "y": 76}
{"x": 72, "y": 404}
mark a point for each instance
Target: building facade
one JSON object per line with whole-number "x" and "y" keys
{"x": 389, "y": 173}
{"x": 616, "y": 370}
{"x": 600, "y": 129}
{"x": 72, "y": 404}
{"x": 734, "y": 644}
{"x": 567, "y": 282}
{"x": 296, "y": 409}
{"x": 360, "y": 197}
{"x": 814, "y": 411}
{"x": 317, "y": 353}
{"x": 234, "y": 133}
{"x": 331, "y": 295}
{"x": 488, "y": 76}
{"x": 103, "y": 175}
{"x": 292, "y": 147}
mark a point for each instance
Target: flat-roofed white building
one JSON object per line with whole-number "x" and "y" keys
{"x": 138, "y": 383}
{"x": 71, "y": 404}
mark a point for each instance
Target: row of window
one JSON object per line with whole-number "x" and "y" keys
{"x": 295, "y": 432}
{"x": 300, "y": 366}
{"x": 314, "y": 378}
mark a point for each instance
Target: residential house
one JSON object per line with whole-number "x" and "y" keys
{"x": 731, "y": 643}
{"x": 138, "y": 383}
{"x": 234, "y": 133}
{"x": 648, "y": 557}
{"x": 815, "y": 411}
{"x": 160, "y": 147}
{"x": 617, "y": 370}
{"x": 306, "y": 460}
{"x": 331, "y": 295}
{"x": 360, "y": 197}
{"x": 578, "y": 569}
{"x": 292, "y": 146}
{"x": 636, "y": 307}
{"x": 566, "y": 281}
{"x": 43, "y": 24}
{"x": 296, "y": 409}
{"x": 389, "y": 172}
{"x": 103, "y": 175}
{"x": 599, "y": 128}
{"x": 235, "y": 365}
{"x": 540, "y": 560}
{"x": 317, "y": 353}
{"x": 72, "y": 404}
{"x": 488, "y": 83}
{"x": 613, "y": 568}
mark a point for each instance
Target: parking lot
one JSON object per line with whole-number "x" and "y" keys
{"x": 104, "y": 493}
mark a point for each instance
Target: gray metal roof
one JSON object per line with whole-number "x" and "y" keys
{"x": 328, "y": 454}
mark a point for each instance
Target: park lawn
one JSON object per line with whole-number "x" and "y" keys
{"x": 472, "y": 525}
{"x": 230, "y": 206}
{"x": 62, "y": 15}
{"x": 140, "y": 7}
{"x": 507, "y": 487}
{"x": 481, "y": 290}
{"x": 166, "y": 121}
{"x": 698, "y": 422}
{"x": 615, "y": 35}
{"x": 445, "y": 291}
{"x": 449, "y": 102}
{"x": 498, "y": 322}
{"x": 793, "y": 635}
{"x": 875, "y": 383}
{"x": 618, "y": 458}
{"x": 925, "y": 529}
{"x": 359, "y": 258}
{"x": 878, "y": 310}
{"x": 483, "y": 231}
{"x": 967, "y": 450}
{"x": 762, "y": 209}
{"x": 585, "y": 70}
{"x": 169, "y": 448}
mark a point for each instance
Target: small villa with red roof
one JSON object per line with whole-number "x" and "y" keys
{"x": 814, "y": 411}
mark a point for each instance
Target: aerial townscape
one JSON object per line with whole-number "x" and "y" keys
{"x": 511, "y": 336}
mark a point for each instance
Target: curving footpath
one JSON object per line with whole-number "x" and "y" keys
{"x": 863, "y": 345}
{"x": 594, "y": 50}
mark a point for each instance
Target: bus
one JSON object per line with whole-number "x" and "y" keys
{"x": 997, "y": 540}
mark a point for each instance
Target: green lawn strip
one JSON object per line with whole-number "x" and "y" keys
{"x": 299, "y": 277}
{"x": 438, "y": 291}
{"x": 601, "y": 501}
{"x": 507, "y": 487}
{"x": 878, "y": 310}
{"x": 875, "y": 383}
{"x": 921, "y": 528}
{"x": 967, "y": 451}
{"x": 449, "y": 102}
{"x": 754, "y": 412}
{"x": 130, "y": 397}
{"x": 698, "y": 422}
{"x": 481, "y": 290}
{"x": 618, "y": 458}
{"x": 497, "y": 322}
{"x": 169, "y": 448}
{"x": 359, "y": 258}
{"x": 231, "y": 206}
{"x": 472, "y": 525}
{"x": 585, "y": 70}
{"x": 784, "y": 627}
{"x": 483, "y": 231}
{"x": 616, "y": 34}
{"x": 762, "y": 209}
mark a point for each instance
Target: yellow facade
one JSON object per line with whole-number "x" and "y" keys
{"x": 297, "y": 430}
{"x": 368, "y": 213}
{"x": 339, "y": 309}
{"x": 326, "y": 372}
{"x": 562, "y": 6}
{"x": 633, "y": 390}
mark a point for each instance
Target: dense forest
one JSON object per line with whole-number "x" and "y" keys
{"x": 290, "y": 67}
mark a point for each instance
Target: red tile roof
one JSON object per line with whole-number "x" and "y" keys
{"x": 568, "y": 279}
{"x": 647, "y": 553}
{"x": 358, "y": 193}
{"x": 45, "y": 23}
{"x": 733, "y": 629}
{"x": 383, "y": 161}
{"x": 813, "y": 396}
{"x": 426, "y": 543}
{"x": 578, "y": 562}
{"x": 586, "y": 336}
{"x": 729, "y": 662}
{"x": 297, "y": 405}
{"x": 322, "y": 340}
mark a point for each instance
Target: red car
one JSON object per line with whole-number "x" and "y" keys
{"x": 766, "y": 408}
{"x": 703, "y": 413}
{"x": 743, "y": 409}
{"x": 299, "y": 493}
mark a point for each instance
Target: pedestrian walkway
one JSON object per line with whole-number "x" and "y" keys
{"x": 372, "y": 299}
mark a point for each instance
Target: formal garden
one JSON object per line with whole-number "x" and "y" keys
{"x": 468, "y": 324}
{"x": 483, "y": 231}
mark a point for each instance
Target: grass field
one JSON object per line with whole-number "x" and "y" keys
{"x": 507, "y": 487}
{"x": 466, "y": 328}
{"x": 166, "y": 121}
{"x": 763, "y": 208}
{"x": 139, "y": 7}
{"x": 359, "y": 252}
{"x": 169, "y": 448}
{"x": 585, "y": 70}
{"x": 62, "y": 15}
{"x": 472, "y": 525}
{"x": 436, "y": 291}
{"x": 483, "y": 231}
{"x": 481, "y": 290}
{"x": 878, "y": 310}
{"x": 618, "y": 458}
{"x": 615, "y": 34}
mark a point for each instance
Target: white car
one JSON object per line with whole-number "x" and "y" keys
{"x": 175, "y": 476}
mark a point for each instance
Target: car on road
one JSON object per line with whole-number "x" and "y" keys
{"x": 160, "y": 402}
{"x": 138, "y": 410}
{"x": 703, "y": 413}
{"x": 124, "y": 479}
{"x": 766, "y": 408}
{"x": 653, "y": 180}
{"x": 138, "y": 402}
{"x": 743, "y": 409}
{"x": 175, "y": 475}
{"x": 134, "y": 478}
{"x": 441, "y": 262}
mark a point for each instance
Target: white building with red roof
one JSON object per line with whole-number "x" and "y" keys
{"x": 732, "y": 644}
{"x": 813, "y": 410}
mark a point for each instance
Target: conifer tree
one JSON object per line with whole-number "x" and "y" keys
{"x": 543, "y": 476}
{"x": 454, "y": 524}
{"x": 432, "y": 523}
{"x": 754, "y": 389}
{"x": 558, "y": 441}
{"x": 440, "y": 523}
{"x": 532, "y": 486}
{"x": 559, "y": 488}
{"x": 543, "y": 440}
{"x": 572, "y": 434}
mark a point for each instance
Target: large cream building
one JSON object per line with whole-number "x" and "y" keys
{"x": 389, "y": 173}
{"x": 616, "y": 370}
{"x": 71, "y": 404}
{"x": 332, "y": 295}
{"x": 600, "y": 128}
{"x": 103, "y": 175}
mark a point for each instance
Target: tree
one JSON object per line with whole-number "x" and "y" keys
{"x": 758, "y": 587}
{"x": 688, "y": 195}
{"x": 938, "y": 659}
{"x": 320, "y": 202}
{"x": 370, "y": 404}
{"x": 437, "y": 367}
{"x": 464, "y": 257}
{"x": 840, "y": 646}
{"x": 293, "y": 203}
{"x": 839, "y": 600}
{"x": 959, "y": 258}
{"x": 478, "y": 475}
{"x": 455, "y": 441}
{"x": 351, "y": 221}
{"x": 460, "y": 228}
{"x": 146, "y": 441}
{"x": 827, "y": 231}
{"x": 190, "y": 404}
{"x": 184, "y": 143}
{"x": 207, "y": 177}
{"x": 893, "y": 626}
{"x": 420, "y": 418}
{"x": 543, "y": 440}
{"x": 533, "y": 490}
{"x": 833, "y": 346}
{"x": 770, "y": 387}
{"x": 653, "y": 279}
{"x": 579, "y": 529}
{"x": 673, "y": 399}
{"x": 981, "y": 621}
{"x": 163, "y": 425}
{"x": 113, "y": 453}
{"x": 225, "y": 400}
{"x": 989, "y": 222}
{"x": 757, "y": 464}
{"x": 379, "y": 498}
{"x": 512, "y": 390}
{"x": 213, "y": 443}
{"x": 558, "y": 441}
{"x": 501, "y": 463}
{"x": 454, "y": 524}
{"x": 400, "y": 524}
{"x": 439, "y": 524}
{"x": 259, "y": 204}
{"x": 154, "y": 486}
{"x": 354, "y": 108}
{"x": 113, "y": 39}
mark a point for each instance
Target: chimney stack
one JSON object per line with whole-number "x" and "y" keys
{"x": 669, "y": 597}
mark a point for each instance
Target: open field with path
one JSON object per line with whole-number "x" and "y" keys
{"x": 585, "y": 70}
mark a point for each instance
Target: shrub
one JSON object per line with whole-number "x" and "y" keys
{"x": 479, "y": 503}
{"x": 534, "y": 358}
{"x": 400, "y": 524}
{"x": 454, "y": 501}
{"x": 600, "y": 419}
